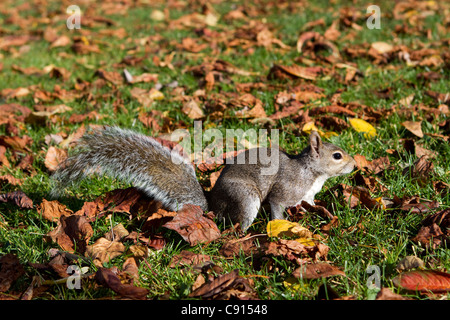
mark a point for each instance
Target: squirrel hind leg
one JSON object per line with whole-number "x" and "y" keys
{"x": 233, "y": 208}
{"x": 249, "y": 209}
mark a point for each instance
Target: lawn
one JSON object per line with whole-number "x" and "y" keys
{"x": 156, "y": 67}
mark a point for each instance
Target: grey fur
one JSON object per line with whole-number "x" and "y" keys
{"x": 238, "y": 193}
{"x": 297, "y": 178}
{"x": 136, "y": 159}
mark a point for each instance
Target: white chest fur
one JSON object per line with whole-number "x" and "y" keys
{"x": 313, "y": 189}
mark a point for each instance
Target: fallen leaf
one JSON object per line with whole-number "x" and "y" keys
{"x": 188, "y": 258}
{"x": 435, "y": 230}
{"x": 414, "y": 127}
{"x": 423, "y": 281}
{"x": 410, "y": 262}
{"x": 193, "y": 226}
{"x": 382, "y": 47}
{"x": 103, "y": 250}
{"x": 10, "y": 270}
{"x": 421, "y": 170}
{"x": 192, "y": 109}
{"x": 72, "y": 233}
{"x": 53, "y": 210}
{"x": 363, "y": 126}
{"x": 19, "y": 198}
{"x": 54, "y": 158}
{"x": 293, "y": 72}
{"x": 226, "y": 286}
{"x": 117, "y": 233}
{"x": 387, "y": 294}
{"x": 283, "y": 228}
{"x": 109, "y": 279}
{"x": 316, "y": 271}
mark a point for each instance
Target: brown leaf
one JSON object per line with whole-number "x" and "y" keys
{"x": 435, "y": 229}
{"x": 117, "y": 233}
{"x": 193, "y": 226}
{"x": 192, "y": 109}
{"x": 412, "y": 147}
{"x": 332, "y": 109}
{"x": 72, "y": 233}
{"x": 111, "y": 76}
{"x": 387, "y": 294}
{"x": 420, "y": 170}
{"x": 293, "y": 72}
{"x": 130, "y": 268}
{"x": 7, "y": 178}
{"x": 415, "y": 204}
{"x": 53, "y": 210}
{"x": 295, "y": 251}
{"x": 54, "y": 158}
{"x": 216, "y": 286}
{"x": 104, "y": 250}
{"x": 423, "y": 281}
{"x": 109, "y": 279}
{"x": 188, "y": 258}
{"x": 316, "y": 271}
{"x": 248, "y": 245}
{"x": 358, "y": 195}
{"x": 19, "y": 198}
{"x": 129, "y": 200}
{"x": 61, "y": 41}
{"x": 414, "y": 127}
{"x": 10, "y": 270}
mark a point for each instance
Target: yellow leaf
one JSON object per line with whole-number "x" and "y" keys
{"x": 156, "y": 94}
{"x": 361, "y": 125}
{"x": 284, "y": 228}
{"x": 328, "y": 134}
{"x": 292, "y": 284}
{"x": 309, "y": 126}
{"x": 306, "y": 242}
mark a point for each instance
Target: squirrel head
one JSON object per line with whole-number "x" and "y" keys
{"x": 328, "y": 159}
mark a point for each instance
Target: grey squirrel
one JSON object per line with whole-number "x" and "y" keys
{"x": 238, "y": 192}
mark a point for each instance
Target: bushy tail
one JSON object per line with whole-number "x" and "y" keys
{"x": 136, "y": 159}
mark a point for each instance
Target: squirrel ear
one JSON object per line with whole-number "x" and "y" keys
{"x": 315, "y": 142}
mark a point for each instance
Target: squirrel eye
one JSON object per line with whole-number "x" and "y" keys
{"x": 337, "y": 155}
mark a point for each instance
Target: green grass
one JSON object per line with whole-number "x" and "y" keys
{"x": 363, "y": 237}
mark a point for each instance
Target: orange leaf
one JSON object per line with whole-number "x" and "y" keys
{"x": 424, "y": 281}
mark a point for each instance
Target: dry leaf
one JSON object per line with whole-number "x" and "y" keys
{"x": 316, "y": 271}
{"x": 363, "y": 126}
{"x": 423, "y": 281}
{"x": 193, "y": 226}
{"x": 10, "y": 270}
{"x": 19, "y": 198}
{"x": 284, "y": 228}
{"x": 54, "y": 158}
{"x": 72, "y": 233}
{"x": 188, "y": 258}
{"x": 414, "y": 127}
{"x": 104, "y": 250}
{"x": 109, "y": 279}
{"x": 53, "y": 210}
{"x": 192, "y": 109}
{"x": 387, "y": 294}
{"x": 410, "y": 262}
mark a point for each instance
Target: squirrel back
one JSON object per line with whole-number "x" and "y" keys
{"x": 136, "y": 159}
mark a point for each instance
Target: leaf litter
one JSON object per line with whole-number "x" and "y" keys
{"x": 324, "y": 53}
